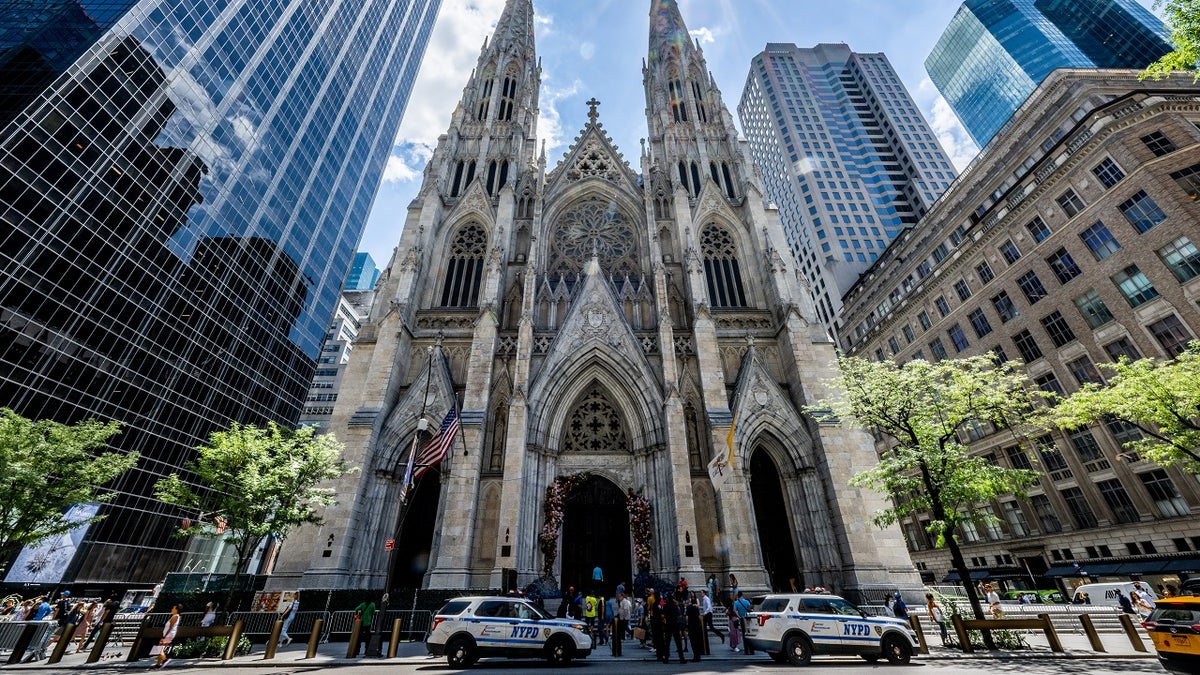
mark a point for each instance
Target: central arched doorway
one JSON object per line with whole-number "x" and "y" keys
{"x": 595, "y": 532}
{"x": 774, "y": 531}
{"x": 410, "y": 560}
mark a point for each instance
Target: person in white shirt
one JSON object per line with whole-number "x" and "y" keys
{"x": 706, "y": 610}
{"x": 993, "y": 600}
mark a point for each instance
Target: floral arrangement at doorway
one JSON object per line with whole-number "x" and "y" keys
{"x": 552, "y": 513}
{"x": 639, "y": 526}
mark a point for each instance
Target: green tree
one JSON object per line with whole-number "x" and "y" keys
{"x": 1160, "y": 398}
{"x": 923, "y": 408}
{"x": 45, "y": 468}
{"x": 252, "y": 482}
{"x": 1183, "y": 18}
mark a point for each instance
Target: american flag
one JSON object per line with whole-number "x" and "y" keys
{"x": 437, "y": 447}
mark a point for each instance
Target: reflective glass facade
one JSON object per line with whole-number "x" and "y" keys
{"x": 845, "y": 154}
{"x": 995, "y": 52}
{"x": 363, "y": 273}
{"x": 182, "y": 187}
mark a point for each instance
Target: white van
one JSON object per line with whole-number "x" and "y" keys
{"x": 1106, "y": 594}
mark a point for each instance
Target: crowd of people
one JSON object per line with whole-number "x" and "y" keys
{"x": 682, "y": 617}
{"x": 85, "y": 615}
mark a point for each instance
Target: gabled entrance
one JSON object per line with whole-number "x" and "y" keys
{"x": 595, "y": 532}
{"x": 774, "y": 531}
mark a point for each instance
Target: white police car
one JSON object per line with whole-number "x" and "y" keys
{"x": 794, "y": 627}
{"x": 467, "y": 629}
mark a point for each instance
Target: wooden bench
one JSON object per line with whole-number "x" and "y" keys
{"x": 1042, "y": 623}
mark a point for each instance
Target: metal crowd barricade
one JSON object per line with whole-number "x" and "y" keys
{"x": 338, "y": 626}
{"x": 414, "y": 624}
{"x": 257, "y": 626}
{"x": 302, "y": 625}
{"x": 19, "y": 638}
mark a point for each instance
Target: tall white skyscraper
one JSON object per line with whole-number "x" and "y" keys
{"x": 845, "y": 155}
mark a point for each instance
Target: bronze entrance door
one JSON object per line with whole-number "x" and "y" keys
{"x": 595, "y": 532}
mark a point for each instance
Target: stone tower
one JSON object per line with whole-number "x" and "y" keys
{"x": 606, "y": 327}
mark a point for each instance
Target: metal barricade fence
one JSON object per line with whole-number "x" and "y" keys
{"x": 301, "y": 626}
{"x": 255, "y": 625}
{"x": 1065, "y": 618}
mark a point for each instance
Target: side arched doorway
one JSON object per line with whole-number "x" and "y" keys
{"x": 411, "y": 558}
{"x": 775, "y": 533}
{"x": 595, "y": 533}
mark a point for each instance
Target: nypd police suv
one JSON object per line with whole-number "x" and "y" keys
{"x": 466, "y": 629}
{"x": 794, "y": 627}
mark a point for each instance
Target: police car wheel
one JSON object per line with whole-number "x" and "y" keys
{"x": 460, "y": 653}
{"x": 798, "y": 650}
{"x": 897, "y": 651}
{"x": 559, "y": 651}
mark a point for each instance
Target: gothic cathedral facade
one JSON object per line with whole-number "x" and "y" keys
{"x": 610, "y": 325}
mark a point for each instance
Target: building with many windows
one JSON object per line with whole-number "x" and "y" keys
{"x": 363, "y": 273}
{"x": 1064, "y": 255}
{"x": 353, "y": 307}
{"x": 182, "y": 186}
{"x": 995, "y": 52}
{"x": 601, "y": 327}
{"x": 845, "y": 155}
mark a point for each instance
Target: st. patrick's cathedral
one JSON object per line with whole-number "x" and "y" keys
{"x": 606, "y": 329}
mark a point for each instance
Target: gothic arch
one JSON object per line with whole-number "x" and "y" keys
{"x": 554, "y": 395}
{"x": 725, "y": 273}
{"x": 763, "y": 411}
{"x": 466, "y": 257}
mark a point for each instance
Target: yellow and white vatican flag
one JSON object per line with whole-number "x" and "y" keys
{"x": 720, "y": 468}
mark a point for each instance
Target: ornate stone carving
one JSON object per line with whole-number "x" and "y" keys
{"x": 595, "y": 426}
{"x": 594, "y": 227}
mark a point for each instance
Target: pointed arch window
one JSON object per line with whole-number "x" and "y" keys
{"x": 721, "y": 269}
{"x": 678, "y": 106}
{"x": 716, "y": 176}
{"x": 464, "y": 173}
{"x": 464, "y": 270}
{"x": 729, "y": 190}
{"x": 701, "y": 113}
{"x": 485, "y": 99}
{"x": 497, "y": 176}
{"x": 508, "y": 98}
{"x": 695, "y": 180}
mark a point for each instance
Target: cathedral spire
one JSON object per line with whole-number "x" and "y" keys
{"x": 515, "y": 27}
{"x": 667, "y": 29}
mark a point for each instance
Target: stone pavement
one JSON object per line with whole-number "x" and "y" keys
{"x": 333, "y": 655}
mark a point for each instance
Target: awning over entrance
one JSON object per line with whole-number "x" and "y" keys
{"x": 1135, "y": 568}
{"x": 1184, "y": 566}
{"x": 975, "y": 575}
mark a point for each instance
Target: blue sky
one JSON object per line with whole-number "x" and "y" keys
{"x": 596, "y": 49}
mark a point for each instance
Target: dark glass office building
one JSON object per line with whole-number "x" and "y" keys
{"x": 995, "y": 52}
{"x": 183, "y": 184}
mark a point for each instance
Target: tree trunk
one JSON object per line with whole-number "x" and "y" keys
{"x": 960, "y": 565}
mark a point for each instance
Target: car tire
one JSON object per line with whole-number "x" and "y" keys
{"x": 897, "y": 650}
{"x": 798, "y": 650}
{"x": 560, "y": 651}
{"x": 778, "y": 657}
{"x": 460, "y": 653}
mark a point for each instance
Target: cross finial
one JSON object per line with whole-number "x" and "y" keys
{"x": 592, "y": 114}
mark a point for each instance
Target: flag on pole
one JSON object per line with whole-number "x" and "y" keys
{"x": 729, "y": 438}
{"x": 407, "y": 482}
{"x": 438, "y": 446}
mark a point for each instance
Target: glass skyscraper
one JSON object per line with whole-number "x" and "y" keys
{"x": 182, "y": 186}
{"x": 845, "y": 155}
{"x": 363, "y": 273}
{"x": 995, "y": 52}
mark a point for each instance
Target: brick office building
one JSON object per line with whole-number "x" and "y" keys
{"x": 1068, "y": 242}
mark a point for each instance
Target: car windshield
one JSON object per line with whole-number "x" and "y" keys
{"x": 774, "y": 605}
{"x": 1175, "y": 615}
{"x": 454, "y": 608}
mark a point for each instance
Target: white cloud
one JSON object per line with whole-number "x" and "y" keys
{"x": 955, "y": 140}
{"x": 406, "y": 162}
{"x": 550, "y": 127}
{"x": 452, "y": 53}
{"x": 703, "y": 34}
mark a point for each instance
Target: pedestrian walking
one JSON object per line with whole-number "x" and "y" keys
{"x": 210, "y": 615}
{"x": 676, "y": 623}
{"x": 365, "y": 613}
{"x": 1141, "y": 604}
{"x": 937, "y": 615}
{"x": 706, "y": 612}
{"x": 610, "y": 618}
{"x": 993, "y": 600}
{"x": 695, "y": 628}
{"x": 589, "y": 614}
{"x": 162, "y": 650}
{"x": 714, "y": 587}
{"x": 656, "y": 617}
{"x": 289, "y": 615}
{"x": 621, "y": 623}
{"x": 898, "y": 607}
{"x": 107, "y": 610}
{"x": 733, "y": 587}
{"x": 742, "y": 607}
{"x": 735, "y": 635}
{"x": 83, "y": 624}
{"x": 639, "y": 620}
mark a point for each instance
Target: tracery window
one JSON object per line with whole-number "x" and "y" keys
{"x": 701, "y": 113}
{"x": 464, "y": 173}
{"x": 497, "y": 176}
{"x": 595, "y": 426}
{"x": 485, "y": 99}
{"x": 464, "y": 270}
{"x": 508, "y": 98}
{"x": 721, "y": 268}
{"x": 594, "y": 226}
{"x": 678, "y": 107}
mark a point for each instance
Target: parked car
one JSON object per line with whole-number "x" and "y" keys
{"x": 1173, "y": 628}
{"x": 467, "y": 629}
{"x": 1106, "y": 593}
{"x": 794, "y": 627}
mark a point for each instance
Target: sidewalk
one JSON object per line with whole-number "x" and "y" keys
{"x": 333, "y": 655}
